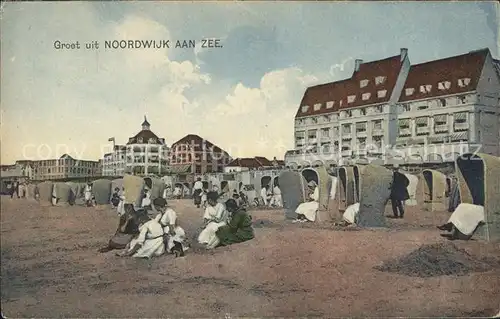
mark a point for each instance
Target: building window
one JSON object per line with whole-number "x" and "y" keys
{"x": 362, "y": 111}
{"x": 197, "y": 169}
{"x": 423, "y": 107}
{"x": 381, "y": 93}
{"x": 346, "y": 129}
{"x": 366, "y": 96}
{"x": 348, "y": 113}
{"x": 442, "y": 102}
{"x": 363, "y": 83}
{"x": 317, "y": 107}
{"x": 379, "y": 108}
{"x": 377, "y": 125}
{"x": 305, "y": 108}
{"x": 325, "y": 132}
{"x": 379, "y": 80}
{"x": 314, "y": 120}
{"x": 329, "y": 104}
{"x": 351, "y": 98}
{"x": 445, "y": 85}
{"x": 361, "y": 127}
{"x": 463, "y": 82}
{"x": 409, "y": 91}
{"x": 462, "y": 99}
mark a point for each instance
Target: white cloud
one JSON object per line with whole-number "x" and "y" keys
{"x": 259, "y": 121}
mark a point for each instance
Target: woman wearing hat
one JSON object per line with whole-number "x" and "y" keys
{"x": 307, "y": 211}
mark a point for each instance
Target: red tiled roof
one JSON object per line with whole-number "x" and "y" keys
{"x": 193, "y": 140}
{"x": 340, "y": 90}
{"x": 451, "y": 69}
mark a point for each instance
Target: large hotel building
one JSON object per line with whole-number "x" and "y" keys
{"x": 390, "y": 111}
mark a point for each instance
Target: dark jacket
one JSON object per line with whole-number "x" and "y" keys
{"x": 399, "y": 190}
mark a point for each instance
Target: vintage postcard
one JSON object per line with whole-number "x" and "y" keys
{"x": 226, "y": 159}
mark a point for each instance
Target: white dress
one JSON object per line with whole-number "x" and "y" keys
{"x": 88, "y": 193}
{"x": 121, "y": 205}
{"x": 151, "y": 240}
{"x": 146, "y": 201}
{"x": 351, "y": 213}
{"x": 168, "y": 220}
{"x": 218, "y": 217}
{"x": 309, "y": 209}
{"x": 263, "y": 195}
{"x": 276, "y": 199}
{"x": 467, "y": 217}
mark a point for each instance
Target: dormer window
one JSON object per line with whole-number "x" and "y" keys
{"x": 363, "y": 83}
{"x": 409, "y": 91}
{"x": 381, "y": 93}
{"x": 425, "y": 88}
{"x": 444, "y": 85}
{"x": 379, "y": 80}
{"x": 317, "y": 107}
{"x": 365, "y": 96}
{"x": 305, "y": 108}
{"x": 140, "y": 140}
{"x": 151, "y": 141}
{"x": 340, "y": 103}
{"x": 351, "y": 98}
{"x": 329, "y": 104}
{"x": 463, "y": 82}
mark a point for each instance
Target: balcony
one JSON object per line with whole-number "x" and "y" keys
{"x": 361, "y": 133}
{"x": 377, "y": 132}
{"x": 461, "y": 126}
{"x": 441, "y": 128}
{"x": 404, "y": 132}
{"x": 422, "y": 130}
{"x": 312, "y": 140}
{"x": 326, "y": 138}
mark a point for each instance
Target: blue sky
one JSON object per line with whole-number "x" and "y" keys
{"x": 242, "y": 97}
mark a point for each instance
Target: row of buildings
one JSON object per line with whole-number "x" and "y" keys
{"x": 144, "y": 154}
{"x": 390, "y": 111}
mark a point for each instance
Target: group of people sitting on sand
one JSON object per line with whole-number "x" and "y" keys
{"x": 153, "y": 230}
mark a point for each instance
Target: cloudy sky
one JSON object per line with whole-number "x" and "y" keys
{"x": 242, "y": 96}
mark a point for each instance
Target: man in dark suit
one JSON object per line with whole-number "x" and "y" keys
{"x": 399, "y": 192}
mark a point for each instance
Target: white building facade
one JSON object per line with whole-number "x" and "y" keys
{"x": 390, "y": 112}
{"x": 114, "y": 163}
{"x": 145, "y": 154}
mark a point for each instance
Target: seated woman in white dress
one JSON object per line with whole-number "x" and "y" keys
{"x": 350, "y": 216}
{"x": 149, "y": 242}
{"x": 215, "y": 216}
{"x": 174, "y": 235}
{"x": 307, "y": 211}
{"x": 464, "y": 221}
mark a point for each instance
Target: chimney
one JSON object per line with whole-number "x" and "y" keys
{"x": 404, "y": 53}
{"x": 357, "y": 63}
